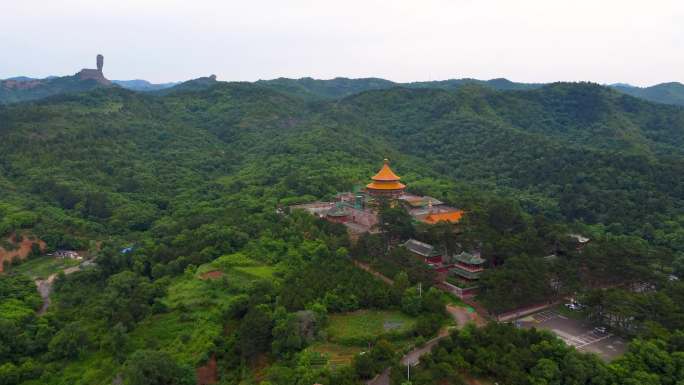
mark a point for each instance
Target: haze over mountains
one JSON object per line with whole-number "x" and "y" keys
{"x": 22, "y": 88}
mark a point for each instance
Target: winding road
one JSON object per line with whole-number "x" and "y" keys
{"x": 460, "y": 315}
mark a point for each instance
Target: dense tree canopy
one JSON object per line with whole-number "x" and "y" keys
{"x": 195, "y": 185}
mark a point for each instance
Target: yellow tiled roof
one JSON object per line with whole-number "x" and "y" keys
{"x": 451, "y": 216}
{"x": 386, "y": 174}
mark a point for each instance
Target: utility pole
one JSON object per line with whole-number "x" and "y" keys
{"x": 408, "y": 374}
{"x": 420, "y": 289}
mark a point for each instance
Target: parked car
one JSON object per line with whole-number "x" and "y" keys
{"x": 573, "y": 306}
{"x": 600, "y": 330}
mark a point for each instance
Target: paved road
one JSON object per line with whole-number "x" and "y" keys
{"x": 460, "y": 315}
{"x": 381, "y": 379}
{"x": 412, "y": 357}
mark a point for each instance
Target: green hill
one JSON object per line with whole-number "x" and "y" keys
{"x": 329, "y": 89}
{"x": 142, "y": 85}
{"x": 342, "y": 87}
{"x": 13, "y": 91}
{"x": 667, "y": 93}
{"x": 190, "y": 182}
{"x": 575, "y": 144}
{"x": 19, "y": 89}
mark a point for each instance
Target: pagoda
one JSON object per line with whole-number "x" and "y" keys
{"x": 468, "y": 266}
{"x": 385, "y": 183}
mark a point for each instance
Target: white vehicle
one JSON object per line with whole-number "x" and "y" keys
{"x": 573, "y": 306}
{"x": 600, "y": 330}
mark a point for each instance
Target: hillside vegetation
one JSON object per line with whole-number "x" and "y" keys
{"x": 24, "y": 89}
{"x": 668, "y": 93}
{"x": 192, "y": 179}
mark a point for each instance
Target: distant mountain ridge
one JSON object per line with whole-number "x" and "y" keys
{"x": 143, "y": 85}
{"x": 666, "y": 93}
{"x": 198, "y": 84}
{"x": 22, "y": 88}
{"x": 13, "y": 91}
{"x": 342, "y": 87}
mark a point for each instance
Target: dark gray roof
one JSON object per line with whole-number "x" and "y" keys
{"x": 420, "y": 248}
{"x": 464, "y": 273}
{"x": 470, "y": 259}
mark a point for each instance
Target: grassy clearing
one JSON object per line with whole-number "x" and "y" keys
{"x": 337, "y": 355}
{"x": 194, "y": 293}
{"x": 189, "y": 338}
{"x": 264, "y": 272}
{"x": 195, "y": 321}
{"x": 367, "y": 325}
{"x": 191, "y": 326}
{"x": 238, "y": 268}
{"x": 233, "y": 260}
{"x": 196, "y": 305}
{"x": 92, "y": 369}
{"x": 43, "y": 267}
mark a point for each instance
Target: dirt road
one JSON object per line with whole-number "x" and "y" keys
{"x": 44, "y": 287}
{"x": 365, "y": 266}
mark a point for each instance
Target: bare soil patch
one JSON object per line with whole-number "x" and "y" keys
{"x": 22, "y": 249}
{"x": 208, "y": 374}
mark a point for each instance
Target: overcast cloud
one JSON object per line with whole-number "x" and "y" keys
{"x": 605, "y": 41}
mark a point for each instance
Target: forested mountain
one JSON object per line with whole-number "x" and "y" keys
{"x": 142, "y": 85}
{"x": 574, "y": 146}
{"x": 23, "y": 89}
{"x": 329, "y": 89}
{"x": 667, "y": 93}
{"x": 341, "y": 87}
{"x": 191, "y": 179}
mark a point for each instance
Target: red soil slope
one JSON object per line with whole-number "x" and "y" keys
{"x": 23, "y": 248}
{"x": 208, "y": 374}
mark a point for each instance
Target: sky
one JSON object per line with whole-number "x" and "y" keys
{"x": 604, "y": 41}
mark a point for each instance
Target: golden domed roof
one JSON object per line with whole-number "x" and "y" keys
{"x": 385, "y": 179}
{"x": 386, "y": 174}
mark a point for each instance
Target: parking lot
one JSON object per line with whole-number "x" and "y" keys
{"x": 576, "y": 333}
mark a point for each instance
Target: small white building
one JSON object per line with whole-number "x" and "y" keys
{"x": 67, "y": 254}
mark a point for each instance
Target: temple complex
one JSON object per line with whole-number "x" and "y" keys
{"x": 358, "y": 211}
